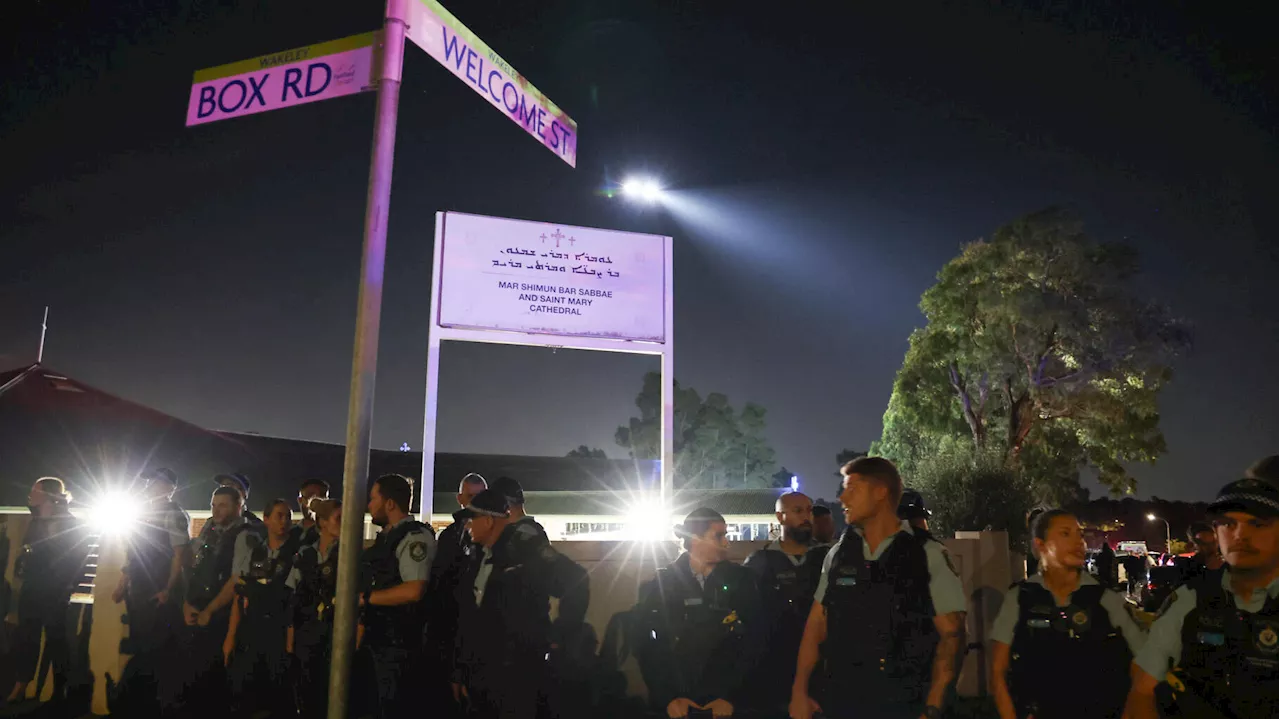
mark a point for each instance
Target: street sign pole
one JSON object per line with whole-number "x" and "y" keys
{"x": 364, "y": 363}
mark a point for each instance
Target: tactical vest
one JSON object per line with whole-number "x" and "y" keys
{"x": 150, "y": 553}
{"x": 1080, "y": 636}
{"x": 686, "y": 631}
{"x": 1229, "y": 655}
{"x": 880, "y": 632}
{"x": 793, "y": 586}
{"x": 391, "y": 625}
{"x": 212, "y": 568}
{"x": 263, "y": 586}
{"x": 317, "y": 584}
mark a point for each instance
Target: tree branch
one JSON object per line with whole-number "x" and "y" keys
{"x": 974, "y": 421}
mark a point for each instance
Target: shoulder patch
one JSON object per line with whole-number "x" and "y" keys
{"x": 950, "y": 564}
{"x": 418, "y": 551}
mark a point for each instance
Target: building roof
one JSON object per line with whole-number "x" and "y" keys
{"x": 51, "y": 424}
{"x": 621, "y": 503}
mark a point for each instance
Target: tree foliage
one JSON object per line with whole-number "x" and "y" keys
{"x": 1039, "y": 347}
{"x": 716, "y": 446}
{"x": 585, "y": 452}
{"x": 973, "y": 491}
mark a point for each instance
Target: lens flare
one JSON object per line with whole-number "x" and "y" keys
{"x": 116, "y": 513}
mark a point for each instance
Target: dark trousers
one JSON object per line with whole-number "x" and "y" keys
{"x": 194, "y": 685}
{"x": 51, "y": 623}
{"x": 395, "y": 684}
{"x": 258, "y": 674}
{"x": 150, "y": 624}
{"x": 506, "y": 689}
{"x": 312, "y": 642}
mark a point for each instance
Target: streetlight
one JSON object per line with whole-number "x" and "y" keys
{"x": 1167, "y": 539}
{"x": 646, "y": 190}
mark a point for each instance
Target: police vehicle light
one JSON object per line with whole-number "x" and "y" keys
{"x": 115, "y": 513}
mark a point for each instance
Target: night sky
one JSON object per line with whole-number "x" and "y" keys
{"x": 825, "y": 167}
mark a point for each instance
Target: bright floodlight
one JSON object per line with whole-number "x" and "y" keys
{"x": 116, "y": 512}
{"x": 1151, "y": 517}
{"x": 795, "y": 483}
{"x": 642, "y": 189}
{"x": 648, "y": 521}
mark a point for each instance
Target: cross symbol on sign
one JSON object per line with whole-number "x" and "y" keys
{"x": 543, "y": 237}
{"x": 557, "y": 236}
{"x": 571, "y": 241}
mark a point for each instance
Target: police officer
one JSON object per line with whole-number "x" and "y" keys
{"x": 824, "y": 525}
{"x": 314, "y": 578}
{"x": 306, "y": 529}
{"x": 154, "y": 558}
{"x": 54, "y": 551}
{"x": 505, "y": 632}
{"x": 195, "y": 686}
{"x": 255, "y": 646}
{"x": 395, "y": 573}
{"x": 240, "y": 482}
{"x": 701, "y": 626}
{"x": 911, "y": 508}
{"x": 888, "y": 612}
{"x": 1212, "y": 651}
{"x": 787, "y": 569}
{"x": 453, "y": 551}
{"x": 514, "y": 493}
{"x": 1062, "y": 620}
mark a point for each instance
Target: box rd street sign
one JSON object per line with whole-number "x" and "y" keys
{"x": 444, "y": 38}
{"x": 283, "y": 79}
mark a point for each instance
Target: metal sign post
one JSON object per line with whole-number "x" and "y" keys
{"x": 364, "y": 363}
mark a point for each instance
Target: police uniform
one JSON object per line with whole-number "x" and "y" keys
{"x": 259, "y": 668}
{"x": 505, "y": 629}
{"x": 314, "y": 579}
{"x": 1092, "y": 635}
{"x": 196, "y": 682}
{"x": 699, "y": 637}
{"x": 51, "y": 564}
{"x": 163, "y": 529}
{"x": 1215, "y": 650}
{"x": 787, "y": 583}
{"x": 394, "y": 635}
{"x": 453, "y": 553}
{"x": 880, "y": 604}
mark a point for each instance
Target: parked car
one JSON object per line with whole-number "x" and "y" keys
{"x": 1161, "y": 581}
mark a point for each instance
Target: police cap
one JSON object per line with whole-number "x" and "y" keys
{"x": 489, "y": 503}
{"x": 912, "y": 506}
{"x": 1249, "y": 495}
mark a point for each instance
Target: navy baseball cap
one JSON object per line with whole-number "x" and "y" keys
{"x": 510, "y": 489}
{"x": 1249, "y": 495}
{"x": 161, "y": 473}
{"x": 489, "y": 503}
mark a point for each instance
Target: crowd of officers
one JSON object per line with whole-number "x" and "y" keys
{"x": 870, "y": 625}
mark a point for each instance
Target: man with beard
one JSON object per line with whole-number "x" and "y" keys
{"x": 787, "y": 570}
{"x": 395, "y": 572}
{"x": 1212, "y": 651}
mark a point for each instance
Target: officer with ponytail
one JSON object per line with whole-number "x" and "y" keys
{"x": 50, "y": 566}
{"x": 314, "y": 579}
{"x": 1060, "y": 620}
{"x": 700, "y": 626}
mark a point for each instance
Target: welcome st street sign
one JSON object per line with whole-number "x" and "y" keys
{"x": 283, "y": 79}
{"x": 345, "y": 67}
{"x": 450, "y": 43}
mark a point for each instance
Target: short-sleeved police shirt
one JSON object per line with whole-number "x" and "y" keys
{"x": 177, "y": 523}
{"x": 243, "y": 557}
{"x": 1006, "y": 623}
{"x": 414, "y": 553}
{"x": 295, "y": 574}
{"x": 944, "y": 582}
{"x": 1164, "y": 643}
